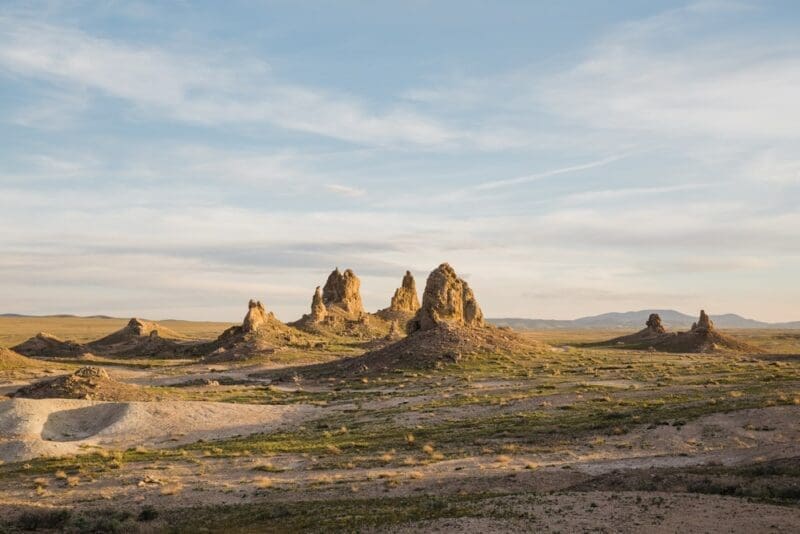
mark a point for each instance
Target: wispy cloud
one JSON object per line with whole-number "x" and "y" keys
{"x": 345, "y": 191}
{"x": 627, "y": 192}
{"x": 656, "y": 76}
{"x": 495, "y": 184}
{"x": 204, "y": 89}
{"x": 654, "y": 167}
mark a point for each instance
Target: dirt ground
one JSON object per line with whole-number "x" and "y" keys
{"x": 575, "y": 439}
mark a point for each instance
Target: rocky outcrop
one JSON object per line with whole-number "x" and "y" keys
{"x": 337, "y": 310}
{"x": 140, "y": 339}
{"x": 134, "y": 332}
{"x": 256, "y": 317}
{"x": 704, "y": 323}
{"x": 138, "y": 327}
{"x": 652, "y": 333}
{"x": 405, "y": 297}
{"x": 261, "y": 333}
{"x": 654, "y": 324}
{"x": 91, "y": 383}
{"x": 318, "y": 309}
{"x": 447, "y": 299}
{"x": 46, "y": 345}
{"x": 343, "y": 291}
{"x": 702, "y": 338}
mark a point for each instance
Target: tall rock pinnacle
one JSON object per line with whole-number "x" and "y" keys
{"x": 446, "y": 299}
{"x": 405, "y": 297}
{"x": 342, "y": 290}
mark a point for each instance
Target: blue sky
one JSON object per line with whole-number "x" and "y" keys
{"x": 568, "y": 158}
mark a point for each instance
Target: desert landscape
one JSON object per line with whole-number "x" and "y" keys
{"x": 421, "y": 416}
{"x": 459, "y": 267}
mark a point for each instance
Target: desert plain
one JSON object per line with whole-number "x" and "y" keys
{"x": 420, "y": 417}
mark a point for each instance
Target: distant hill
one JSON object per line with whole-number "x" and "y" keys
{"x": 673, "y": 320}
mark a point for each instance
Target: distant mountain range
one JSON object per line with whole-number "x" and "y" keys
{"x": 62, "y": 315}
{"x": 634, "y": 320}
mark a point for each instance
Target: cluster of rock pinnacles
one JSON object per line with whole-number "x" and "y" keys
{"x": 446, "y": 299}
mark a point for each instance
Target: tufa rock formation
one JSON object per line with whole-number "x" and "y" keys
{"x": 703, "y": 337}
{"x": 447, "y": 300}
{"x": 405, "y": 297}
{"x": 256, "y": 316}
{"x": 651, "y": 333}
{"x": 404, "y": 304}
{"x": 260, "y": 333}
{"x": 342, "y": 290}
{"x": 318, "y": 309}
{"x": 447, "y": 327}
{"x": 654, "y": 324}
{"x": 338, "y": 311}
{"x": 704, "y": 323}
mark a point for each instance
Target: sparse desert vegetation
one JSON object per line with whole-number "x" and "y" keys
{"x": 345, "y": 427}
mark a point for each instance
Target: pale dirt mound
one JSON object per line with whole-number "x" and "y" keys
{"x": 91, "y": 383}
{"x": 32, "y": 428}
{"x": 442, "y": 345}
{"x": 11, "y": 361}
{"x": 44, "y": 345}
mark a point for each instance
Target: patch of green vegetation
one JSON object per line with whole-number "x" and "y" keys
{"x": 351, "y": 515}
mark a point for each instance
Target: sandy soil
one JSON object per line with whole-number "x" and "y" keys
{"x": 631, "y": 512}
{"x": 51, "y": 427}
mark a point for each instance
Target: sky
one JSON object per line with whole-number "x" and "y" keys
{"x": 174, "y": 159}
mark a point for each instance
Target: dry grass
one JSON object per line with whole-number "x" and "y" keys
{"x": 172, "y": 488}
{"x": 14, "y": 330}
{"x": 264, "y": 482}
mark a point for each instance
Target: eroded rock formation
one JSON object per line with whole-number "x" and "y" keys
{"x": 447, "y": 299}
{"x": 343, "y": 290}
{"x": 318, "y": 309}
{"x": 654, "y": 324}
{"x": 704, "y": 323}
{"x": 405, "y": 297}
{"x": 256, "y": 317}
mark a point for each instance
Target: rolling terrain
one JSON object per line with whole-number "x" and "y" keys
{"x": 454, "y": 425}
